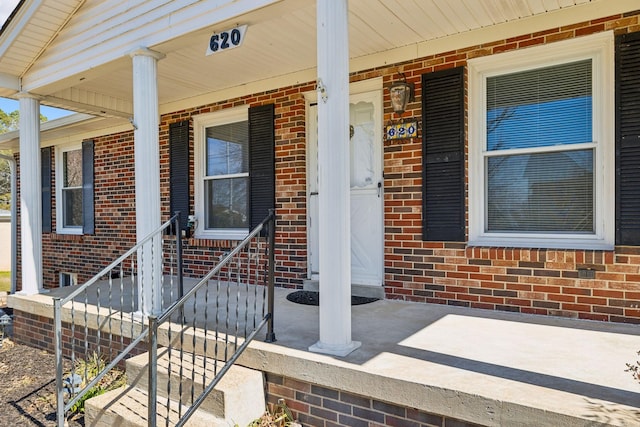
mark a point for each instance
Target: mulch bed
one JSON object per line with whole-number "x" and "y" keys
{"x": 27, "y": 387}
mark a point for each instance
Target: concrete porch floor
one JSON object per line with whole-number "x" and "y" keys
{"x": 492, "y": 368}
{"x": 485, "y": 367}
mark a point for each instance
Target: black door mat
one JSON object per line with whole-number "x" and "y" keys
{"x": 313, "y": 298}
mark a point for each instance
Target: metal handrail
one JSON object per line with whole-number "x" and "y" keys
{"x": 123, "y": 257}
{"x": 61, "y": 407}
{"x": 231, "y": 263}
{"x": 180, "y": 302}
{"x": 155, "y": 322}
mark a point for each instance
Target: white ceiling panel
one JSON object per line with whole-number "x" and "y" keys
{"x": 280, "y": 40}
{"x": 465, "y": 21}
{"x": 413, "y": 15}
{"x": 536, "y": 6}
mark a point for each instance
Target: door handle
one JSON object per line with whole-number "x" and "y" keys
{"x": 313, "y": 193}
{"x": 379, "y": 188}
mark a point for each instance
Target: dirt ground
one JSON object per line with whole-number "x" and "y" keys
{"x": 27, "y": 387}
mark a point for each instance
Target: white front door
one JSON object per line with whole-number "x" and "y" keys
{"x": 366, "y": 190}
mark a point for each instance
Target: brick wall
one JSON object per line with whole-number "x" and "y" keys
{"x": 290, "y": 170}
{"x": 316, "y": 406}
{"x": 37, "y": 331}
{"x": 600, "y": 285}
{"x": 115, "y": 199}
{"x": 114, "y": 210}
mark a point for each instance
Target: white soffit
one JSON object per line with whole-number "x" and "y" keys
{"x": 280, "y": 44}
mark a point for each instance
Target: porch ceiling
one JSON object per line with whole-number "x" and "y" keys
{"x": 280, "y": 44}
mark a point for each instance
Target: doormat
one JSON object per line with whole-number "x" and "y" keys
{"x": 313, "y": 298}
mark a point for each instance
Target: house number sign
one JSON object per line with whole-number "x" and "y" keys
{"x": 226, "y": 40}
{"x": 402, "y": 130}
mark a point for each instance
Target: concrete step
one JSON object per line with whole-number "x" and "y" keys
{"x": 238, "y": 397}
{"x": 127, "y": 407}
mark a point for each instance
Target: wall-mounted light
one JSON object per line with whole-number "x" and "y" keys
{"x": 400, "y": 93}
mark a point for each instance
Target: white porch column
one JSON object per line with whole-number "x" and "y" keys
{"x": 147, "y": 163}
{"x": 333, "y": 180}
{"x": 30, "y": 195}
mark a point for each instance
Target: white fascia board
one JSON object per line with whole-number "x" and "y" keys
{"x": 113, "y": 45}
{"x": 17, "y": 24}
{"x": 99, "y": 108}
{"x": 8, "y": 81}
{"x": 10, "y": 139}
{"x": 65, "y": 121}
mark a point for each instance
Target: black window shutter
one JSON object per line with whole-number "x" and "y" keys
{"x": 45, "y": 160}
{"x": 88, "y": 214}
{"x": 179, "y": 171}
{"x": 261, "y": 162}
{"x": 628, "y": 139}
{"x": 443, "y": 155}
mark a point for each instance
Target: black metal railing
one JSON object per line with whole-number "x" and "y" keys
{"x": 201, "y": 327}
{"x": 227, "y": 308}
{"x": 104, "y": 316}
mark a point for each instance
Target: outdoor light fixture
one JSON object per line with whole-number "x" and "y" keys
{"x": 400, "y": 93}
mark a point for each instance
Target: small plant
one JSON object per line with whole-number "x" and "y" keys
{"x": 90, "y": 368}
{"x": 634, "y": 368}
{"x": 281, "y": 416}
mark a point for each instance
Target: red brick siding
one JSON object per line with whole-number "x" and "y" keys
{"x": 115, "y": 199}
{"x": 551, "y": 282}
{"x": 114, "y": 207}
{"x": 317, "y": 406}
{"x": 534, "y": 281}
{"x": 290, "y": 130}
{"x": 114, "y": 216}
{"x": 37, "y": 331}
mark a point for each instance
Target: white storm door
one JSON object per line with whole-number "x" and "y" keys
{"x": 366, "y": 190}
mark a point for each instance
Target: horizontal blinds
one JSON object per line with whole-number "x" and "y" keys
{"x": 541, "y": 193}
{"x": 535, "y": 190}
{"x": 541, "y": 107}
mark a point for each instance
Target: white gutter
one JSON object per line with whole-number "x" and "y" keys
{"x": 7, "y": 138}
{"x": 14, "y": 221}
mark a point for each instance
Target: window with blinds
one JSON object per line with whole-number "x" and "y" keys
{"x": 541, "y": 146}
{"x": 227, "y": 176}
{"x": 540, "y": 150}
{"x": 234, "y": 170}
{"x": 69, "y": 189}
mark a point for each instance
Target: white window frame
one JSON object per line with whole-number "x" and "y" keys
{"x": 63, "y": 275}
{"x": 60, "y": 227}
{"x": 600, "y": 49}
{"x": 200, "y": 125}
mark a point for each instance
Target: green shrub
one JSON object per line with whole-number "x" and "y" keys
{"x": 88, "y": 369}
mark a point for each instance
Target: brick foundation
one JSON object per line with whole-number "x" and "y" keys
{"x": 316, "y": 406}
{"x": 37, "y": 331}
